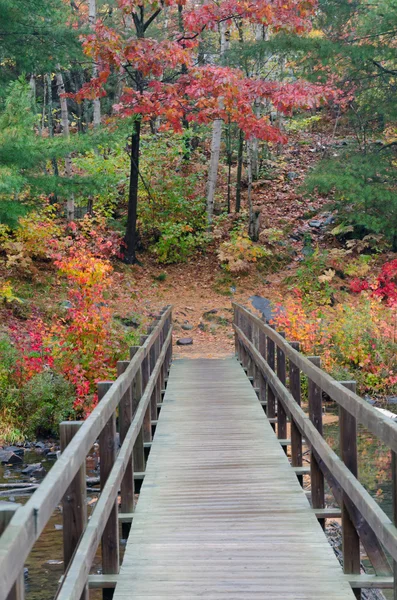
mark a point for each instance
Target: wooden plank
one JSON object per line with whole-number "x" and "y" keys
{"x": 221, "y": 514}
{"x": 316, "y": 417}
{"x": 108, "y": 451}
{"x": 327, "y": 513}
{"x": 74, "y": 502}
{"x": 376, "y": 582}
{"x": 282, "y": 375}
{"x": 295, "y": 389}
{"x": 7, "y": 511}
{"x": 348, "y": 449}
{"x": 394, "y": 500}
{"x": 125, "y": 420}
{"x": 271, "y": 399}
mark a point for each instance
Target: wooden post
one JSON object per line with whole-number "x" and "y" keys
{"x": 348, "y": 450}
{"x": 394, "y": 491}
{"x": 255, "y": 341}
{"x": 262, "y": 380}
{"x": 271, "y": 399}
{"x": 316, "y": 417}
{"x": 74, "y": 502}
{"x": 108, "y": 453}
{"x": 235, "y": 321}
{"x": 145, "y": 375}
{"x": 145, "y": 366}
{"x": 155, "y": 395}
{"x": 7, "y": 511}
{"x": 139, "y": 452}
{"x": 281, "y": 414}
{"x": 296, "y": 436}
{"x": 250, "y": 362}
{"x": 127, "y": 484}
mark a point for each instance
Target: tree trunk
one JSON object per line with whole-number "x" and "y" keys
{"x": 253, "y": 223}
{"x": 229, "y": 152}
{"x": 65, "y": 132}
{"x": 131, "y": 238}
{"x": 213, "y": 170}
{"x": 96, "y": 102}
{"x": 216, "y": 141}
{"x": 239, "y": 170}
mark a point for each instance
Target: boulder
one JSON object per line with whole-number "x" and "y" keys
{"x": 185, "y": 342}
{"x": 9, "y": 458}
{"x": 34, "y": 470}
{"x": 16, "y": 449}
{"x": 316, "y": 224}
{"x": 264, "y": 306}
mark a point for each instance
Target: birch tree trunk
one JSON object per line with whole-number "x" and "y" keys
{"x": 96, "y": 102}
{"x": 65, "y": 133}
{"x": 216, "y": 142}
{"x": 254, "y": 215}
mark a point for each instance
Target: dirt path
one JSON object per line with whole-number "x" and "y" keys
{"x": 200, "y": 312}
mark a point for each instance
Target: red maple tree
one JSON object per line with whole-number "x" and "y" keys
{"x": 163, "y": 79}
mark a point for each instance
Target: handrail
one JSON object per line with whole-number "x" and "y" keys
{"x": 29, "y": 520}
{"x": 367, "y": 415}
{"x": 379, "y": 521}
{"x": 265, "y": 354}
{"x": 79, "y": 569}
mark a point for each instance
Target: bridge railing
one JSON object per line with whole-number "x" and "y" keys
{"x": 275, "y": 367}
{"x": 133, "y": 398}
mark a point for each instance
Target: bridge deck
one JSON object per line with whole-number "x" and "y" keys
{"x": 221, "y": 513}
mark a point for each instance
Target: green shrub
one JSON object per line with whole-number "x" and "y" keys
{"x": 8, "y": 357}
{"x": 42, "y": 403}
{"x": 178, "y": 242}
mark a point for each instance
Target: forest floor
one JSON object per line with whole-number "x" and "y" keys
{"x": 201, "y": 285}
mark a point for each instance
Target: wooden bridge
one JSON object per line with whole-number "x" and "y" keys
{"x": 222, "y": 513}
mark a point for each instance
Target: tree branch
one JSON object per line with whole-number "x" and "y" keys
{"x": 384, "y": 69}
{"x": 152, "y": 18}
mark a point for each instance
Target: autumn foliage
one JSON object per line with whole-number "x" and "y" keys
{"x": 197, "y": 93}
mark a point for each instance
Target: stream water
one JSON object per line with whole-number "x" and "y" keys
{"x": 44, "y": 567}
{"x": 45, "y": 562}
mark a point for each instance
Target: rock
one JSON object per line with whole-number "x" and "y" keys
{"x": 133, "y": 321}
{"x": 292, "y": 175}
{"x": 187, "y": 326}
{"x": 391, "y": 399}
{"x": 52, "y": 455}
{"x": 66, "y": 304}
{"x": 208, "y": 313}
{"x": 9, "y": 458}
{"x": 316, "y": 224}
{"x": 53, "y": 564}
{"x": 36, "y": 469}
{"x": 329, "y": 220}
{"x": 308, "y": 251}
{"x": 370, "y": 400}
{"x": 16, "y": 449}
{"x": 26, "y": 572}
{"x": 202, "y": 326}
{"x": 40, "y": 445}
{"x": 185, "y": 342}
{"x": 58, "y": 527}
{"x": 264, "y": 306}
